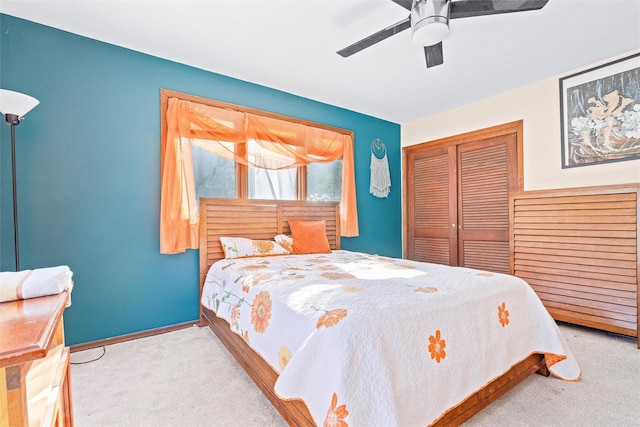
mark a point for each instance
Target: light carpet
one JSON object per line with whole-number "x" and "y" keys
{"x": 187, "y": 378}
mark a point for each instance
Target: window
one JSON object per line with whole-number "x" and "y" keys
{"x": 214, "y": 176}
{"x": 270, "y": 176}
{"x": 214, "y": 149}
{"x": 324, "y": 181}
{"x": 273, "y": 184}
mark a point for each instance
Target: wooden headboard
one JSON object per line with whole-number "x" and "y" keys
{"x": 257, "y": 219}
{"x": 578, "y": 249}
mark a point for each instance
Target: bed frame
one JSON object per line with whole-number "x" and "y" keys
{"x": 263, "y": 219}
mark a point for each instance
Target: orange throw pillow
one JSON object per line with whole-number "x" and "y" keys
{"x": 309, "y": 237}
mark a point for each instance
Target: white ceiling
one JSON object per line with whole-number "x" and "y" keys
{"x": 291, "y": 45}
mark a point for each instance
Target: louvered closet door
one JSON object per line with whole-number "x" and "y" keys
{"x": 486, "y": 174}
{"x": 431, "y": 216}
{"x": 457, "y": 197}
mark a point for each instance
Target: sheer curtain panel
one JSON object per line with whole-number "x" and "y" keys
{"x": 227, "y": 133}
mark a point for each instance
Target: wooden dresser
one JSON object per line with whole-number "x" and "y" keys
{"x": 34, "y": 363}
{"x": 578, "y": 249}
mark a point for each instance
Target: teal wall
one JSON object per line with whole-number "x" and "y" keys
{"x": 89, "y": 174}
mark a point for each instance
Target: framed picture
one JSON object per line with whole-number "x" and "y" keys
{"x": 600, "y": 113}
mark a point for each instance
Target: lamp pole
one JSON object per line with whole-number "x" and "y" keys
{"x": 14, "y": 106}
{"x": 13, "y": 121}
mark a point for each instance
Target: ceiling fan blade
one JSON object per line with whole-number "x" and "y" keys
{"x": 469, "y": 8}
{"x": 433, "y": 55}
{"x": 375, "y": 38}
{"x": 404, "y": 3}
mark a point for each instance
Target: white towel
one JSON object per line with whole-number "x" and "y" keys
{"x": 34, "y": 283}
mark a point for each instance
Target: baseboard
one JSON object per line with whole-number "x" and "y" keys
{"x": 132, "y": 336}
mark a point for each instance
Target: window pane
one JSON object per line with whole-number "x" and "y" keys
{"x": 215, "y": 176}
{"x": 324, "y": 181}
{"x": 273, "y": 184}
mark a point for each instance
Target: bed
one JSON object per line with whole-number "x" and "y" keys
{"x": 330, "y": 350}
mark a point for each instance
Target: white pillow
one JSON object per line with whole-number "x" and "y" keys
{"x": 285, "y": 241}
{"x": 240, "y": 247}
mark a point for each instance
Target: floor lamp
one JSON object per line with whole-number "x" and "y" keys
{"x": 14, "y": 106}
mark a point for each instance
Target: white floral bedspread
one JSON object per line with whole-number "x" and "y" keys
{"x": 371, "y": 340}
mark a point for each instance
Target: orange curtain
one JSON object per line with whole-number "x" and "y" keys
{"x": 178, "y": 205}
{"x": 218, "y": 130}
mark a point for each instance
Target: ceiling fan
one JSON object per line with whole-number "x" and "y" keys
{"x": 429, "y": 22}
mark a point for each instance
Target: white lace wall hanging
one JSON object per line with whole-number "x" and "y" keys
{"x": 380, "y": 184}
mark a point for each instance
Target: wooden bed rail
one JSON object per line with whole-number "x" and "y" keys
{"x": 578, "y": 249}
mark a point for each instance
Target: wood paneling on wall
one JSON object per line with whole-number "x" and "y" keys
{"x": 578, "y": 249}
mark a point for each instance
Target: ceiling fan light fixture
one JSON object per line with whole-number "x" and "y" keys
{"x": 429, "y": 21}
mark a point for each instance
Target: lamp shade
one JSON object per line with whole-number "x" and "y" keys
{"x": 16, "y": 103}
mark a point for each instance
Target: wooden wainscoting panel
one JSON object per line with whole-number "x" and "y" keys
{"x": 578, "y": 249}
